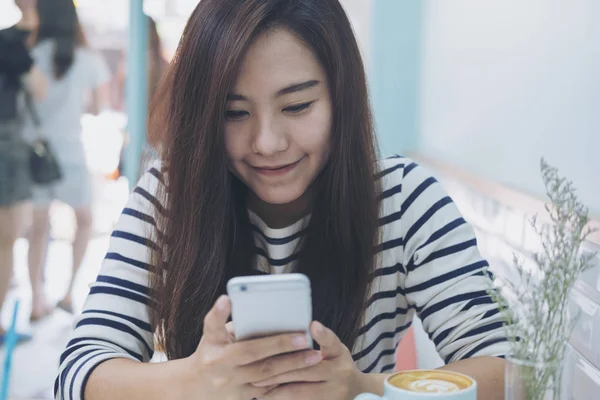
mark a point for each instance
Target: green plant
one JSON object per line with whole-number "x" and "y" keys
{"x": 539, "y": 323}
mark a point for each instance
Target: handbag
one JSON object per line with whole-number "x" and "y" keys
{"x": 44, "y": 166}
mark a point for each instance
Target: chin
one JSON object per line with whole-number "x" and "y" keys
{"x": 279, "y": 196}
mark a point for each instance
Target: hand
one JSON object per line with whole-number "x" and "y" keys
{"x": 226, "y": 370}
{"x": 334, "y": 378}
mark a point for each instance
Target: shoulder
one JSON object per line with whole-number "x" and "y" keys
{"x": 402, "y": 174}
{"x": 13, "y": 33}
{"x": 44, "y": 46}
{"x": 411, "y": 195}
{"x": 85, "y": 51}
{"x": 90, "y": 57}
{"x": 6, "y": 33}
{"x": 94, "y": 62}
{"x": 43, "y": 49}
{"x": 153, "y": 178}
{"x": 147, "y": 194}
{"x": 87, "y": 54}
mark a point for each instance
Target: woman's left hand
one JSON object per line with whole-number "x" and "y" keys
{"x": 334, "y": 378}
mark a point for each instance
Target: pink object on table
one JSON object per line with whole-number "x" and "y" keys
{"x": 406, "y": 354}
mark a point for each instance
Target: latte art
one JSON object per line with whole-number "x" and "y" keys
{"x": 422, "y": 381}
{"x": 433, "y": 386}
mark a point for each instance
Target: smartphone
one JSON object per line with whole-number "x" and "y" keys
{"x": 267, "y": 305}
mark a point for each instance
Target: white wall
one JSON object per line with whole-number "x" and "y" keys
{"x": 9, "y": 13}
{"x": 359, "y": 12}
{"x": 505, "y": 82}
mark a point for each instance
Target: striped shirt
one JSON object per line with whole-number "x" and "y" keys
{"x": 428, "y": 265}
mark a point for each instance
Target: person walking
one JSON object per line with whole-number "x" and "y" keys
{"x": 18, "y": 72}
{"x": 74, "y": 71}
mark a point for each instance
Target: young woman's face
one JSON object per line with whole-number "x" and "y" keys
{"x": 278, "y": 118}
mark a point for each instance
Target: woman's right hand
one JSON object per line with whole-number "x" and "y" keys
{"x": 224, "y": 369}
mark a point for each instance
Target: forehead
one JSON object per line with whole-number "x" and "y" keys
{"x": 275, "y": 59}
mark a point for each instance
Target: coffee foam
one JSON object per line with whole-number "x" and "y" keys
{"x": 433, "y": 386}
{"x": 431, "y": 381}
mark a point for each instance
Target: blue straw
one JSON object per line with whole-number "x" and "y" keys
{"x": 10, "y": 342}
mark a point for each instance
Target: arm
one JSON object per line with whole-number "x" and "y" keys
{"x": 100, "y": 98}
{"x": 36, "y": 83}
{"x": 115, "y": 322}
{"x": 446, "y": 281}
{"x": 487, "y": 371}
{"x": 124, "y": 379}
{"x": 99, "y": 83}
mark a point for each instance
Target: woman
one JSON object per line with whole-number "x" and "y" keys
{"x": 16, "y": 67}
{"x": 270, "y": 166}
{"x": 74, "y": 72}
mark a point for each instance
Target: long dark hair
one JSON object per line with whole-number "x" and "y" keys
{"x": 204, "y": 235}
{"x": 59, "y": 22}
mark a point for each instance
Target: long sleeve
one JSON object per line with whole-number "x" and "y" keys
{"x": 446, "y": 277}
{"x": 115, "y": 321}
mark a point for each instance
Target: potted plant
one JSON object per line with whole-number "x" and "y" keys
{"x": 535, "y": 306}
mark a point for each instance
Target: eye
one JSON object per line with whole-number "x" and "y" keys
{"x": 298, "y": 108}
{"x": 235, "y": 115}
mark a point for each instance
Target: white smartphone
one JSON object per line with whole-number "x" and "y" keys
{"x": 268, "y": 305}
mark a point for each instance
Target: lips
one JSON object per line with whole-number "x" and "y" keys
{"x": 277, "y": 169}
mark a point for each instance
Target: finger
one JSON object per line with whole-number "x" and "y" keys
{"x": 250, "y": 351}
{"x": 304, "y": 391}
{"x": 230, "y": 330}
{"x": 252, "y": 392}
{"x": 331, "y": 346}
{"x": 277, "y": 365}
{"x": 214, "y": 322}
{"x": 316, "y": 373}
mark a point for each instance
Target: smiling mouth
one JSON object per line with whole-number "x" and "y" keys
{"x": 276, "y": 170}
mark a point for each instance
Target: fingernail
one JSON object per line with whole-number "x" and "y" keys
{"x": 222, "y": 303}
{"x": 300, "y": 341}
{"x": 313, "y": 358}
{"x": 319, "y": 328}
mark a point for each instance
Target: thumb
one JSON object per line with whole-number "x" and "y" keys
{"x": 331, "y": 345}
{"x": 215, "y": 331}
{"x": 230, "y": 330}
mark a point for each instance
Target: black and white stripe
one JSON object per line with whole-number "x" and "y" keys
{"x": 428, "y": 263}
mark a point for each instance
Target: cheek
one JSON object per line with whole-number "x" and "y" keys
{"x": 234, "y": 143}
{"x": 313, "y": 135}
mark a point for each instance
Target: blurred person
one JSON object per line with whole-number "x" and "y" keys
{"x": 18, "y": 71}
{"x": 73, "y": 71}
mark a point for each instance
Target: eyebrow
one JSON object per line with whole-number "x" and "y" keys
{"x": 296, "y": 87}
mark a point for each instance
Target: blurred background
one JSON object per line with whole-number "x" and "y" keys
{"x": 476, "y": 91}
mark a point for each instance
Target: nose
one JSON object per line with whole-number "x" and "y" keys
{"x": 269, "y": 137}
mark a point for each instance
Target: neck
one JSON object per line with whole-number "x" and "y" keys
{"x": 279, "y": 216}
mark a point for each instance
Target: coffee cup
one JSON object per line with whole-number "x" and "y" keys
{"x": 426, "y": 384}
